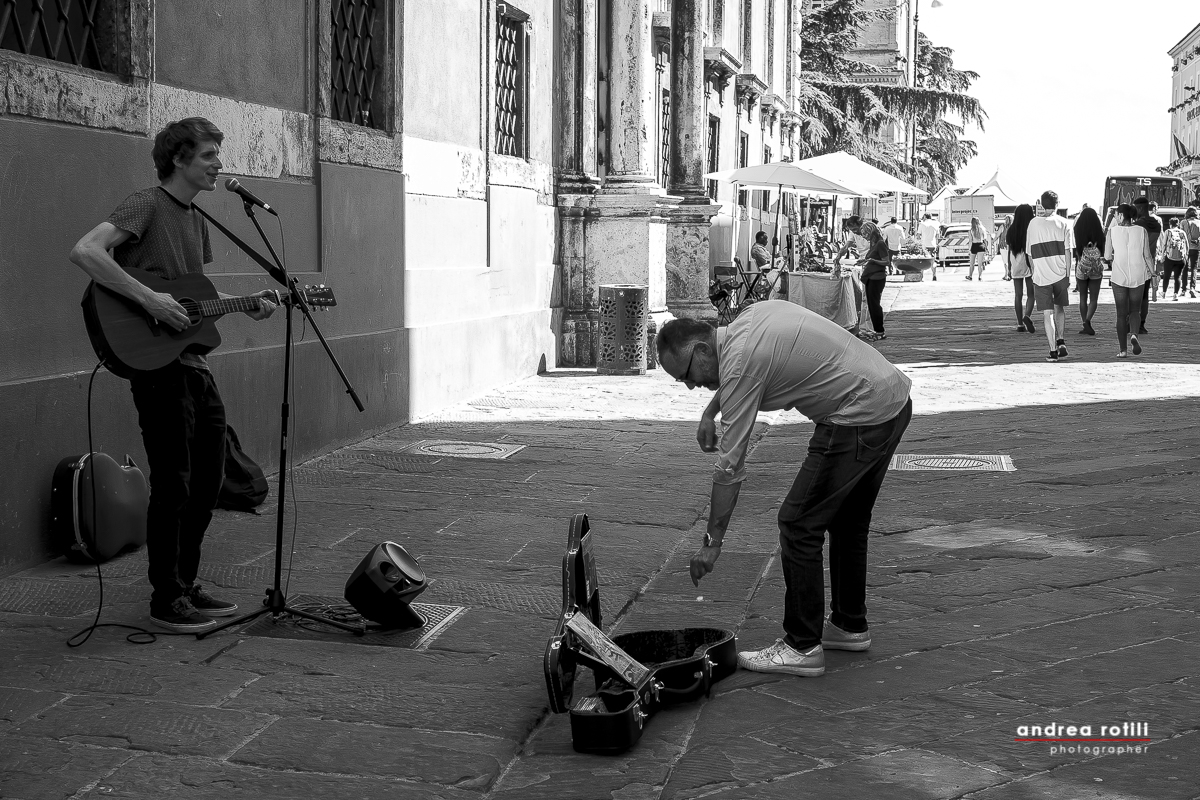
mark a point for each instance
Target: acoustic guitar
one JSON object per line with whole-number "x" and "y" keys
{"x": 130, "y": 341}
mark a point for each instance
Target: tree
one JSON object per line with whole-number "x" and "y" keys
{"x": 841, "y": 108}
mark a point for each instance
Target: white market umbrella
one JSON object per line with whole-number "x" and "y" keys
{"x": 845, "y": 168}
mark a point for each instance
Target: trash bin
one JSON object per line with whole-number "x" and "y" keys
{"x": 622, "y": 346}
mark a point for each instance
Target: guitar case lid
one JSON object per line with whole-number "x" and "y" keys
{"x": 636, "y": 673}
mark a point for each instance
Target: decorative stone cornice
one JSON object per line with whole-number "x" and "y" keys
{"x": 750, "y": 89}
{"x": 661, "y": 22}
{"x": 719, "y": 68}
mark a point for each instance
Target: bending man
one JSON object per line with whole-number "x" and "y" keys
{"x": 779, "y": 355}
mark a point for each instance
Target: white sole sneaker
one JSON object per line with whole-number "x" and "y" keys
{"x": 785, "y": 659}
{"x": 834, "y": 638}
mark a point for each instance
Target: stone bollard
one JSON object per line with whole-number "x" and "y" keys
{"x": 622, "y": 341}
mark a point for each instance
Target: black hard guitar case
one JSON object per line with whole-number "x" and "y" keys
{"x": 122, "y": 499}
{"x": 636, "y": 673}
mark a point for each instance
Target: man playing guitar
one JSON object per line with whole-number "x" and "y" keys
{"x": 179, "y": 408}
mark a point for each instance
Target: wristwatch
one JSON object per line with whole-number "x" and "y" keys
{"x": 709, "y": 541}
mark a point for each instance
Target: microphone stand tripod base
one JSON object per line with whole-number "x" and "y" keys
{"x": 275, "y": 604}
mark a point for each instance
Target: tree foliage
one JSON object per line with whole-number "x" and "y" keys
{"x": 844, "y": 106}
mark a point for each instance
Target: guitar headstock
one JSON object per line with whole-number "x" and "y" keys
{"x": 319, "y": 296}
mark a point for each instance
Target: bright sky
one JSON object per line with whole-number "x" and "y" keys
{"x": 1061, "y": 116}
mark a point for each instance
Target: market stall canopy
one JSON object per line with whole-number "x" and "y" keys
{"x": 845, "y": 168}
{"x": 1002, "y": 198}
{"x": 787, "y": 175}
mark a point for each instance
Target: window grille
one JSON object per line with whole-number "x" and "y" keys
{"x": 511, "y": 66}
{"x": 354, "y": 65}
{"x": 61, "y": 30}
{"x": 743, "y": 161}
{"x": 714, "y": 139}
{"x": 664, "y": 132}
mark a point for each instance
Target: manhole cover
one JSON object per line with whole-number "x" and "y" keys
{"x": 957, "y": 462}
{"x": 438, "y": 618}
{"x": 453, "y": 449}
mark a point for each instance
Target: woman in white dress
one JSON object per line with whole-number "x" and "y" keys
{"x": 1127, "y": 250}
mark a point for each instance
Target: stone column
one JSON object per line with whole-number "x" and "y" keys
{"x": 630, "y": 101}
{"x": 688, "y": 123}
{"x": 575, "y": 96}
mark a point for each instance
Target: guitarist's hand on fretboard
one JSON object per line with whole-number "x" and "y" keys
{"x": 166, "y": 309}
{"x": 266, "y": 304}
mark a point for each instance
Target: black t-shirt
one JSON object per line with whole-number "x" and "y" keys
{"x": 880, "y": 252}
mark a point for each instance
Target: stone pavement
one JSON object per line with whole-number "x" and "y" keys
{"x": 1060, "y": 593}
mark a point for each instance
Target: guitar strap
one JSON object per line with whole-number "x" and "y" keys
{"x": 254, "y": 255}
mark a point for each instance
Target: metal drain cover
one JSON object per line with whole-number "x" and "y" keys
{"x": 437, "y": 619}
{"x": 957, "y": 462}
{"x": 453, "y": 449}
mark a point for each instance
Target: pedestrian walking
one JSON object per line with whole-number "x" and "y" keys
{"x": 1089, "y": 265}
{"x": 1049, "y": 245}
{"x": 1174, "y": 250}
{"x": 1002, "y": 243}
{"x": 1191, "y": 229}
{"x": 979, "y": 248}
{"x": 895, "y": 238}
{"x": 1153, "y": 227}
{"x": 874, "y": 277}
{"x": 1019, "y": 266}
{"x": 929, "y": 235}
{"x": 1129, "y": 252}
{"x": 777, "y": 355}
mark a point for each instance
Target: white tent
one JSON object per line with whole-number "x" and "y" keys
{"x": 1006, "y": 196}
{"x": 845, "y": 168}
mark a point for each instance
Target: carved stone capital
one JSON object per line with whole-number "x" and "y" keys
{"x": 750, "y": 90}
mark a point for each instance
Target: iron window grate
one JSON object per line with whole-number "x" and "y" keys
{"x": 353, "y": 64}
{"x": 511, "y": 63}
{"x": 664, "y": 153}
{"x": 60, "y": 30}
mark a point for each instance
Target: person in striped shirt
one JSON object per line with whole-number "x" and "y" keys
{"x": 1049, "y": 244}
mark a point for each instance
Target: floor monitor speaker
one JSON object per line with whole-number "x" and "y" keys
{"x": 384, "y": 583}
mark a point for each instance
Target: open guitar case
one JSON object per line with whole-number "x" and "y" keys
{"x": 636, "y": 673}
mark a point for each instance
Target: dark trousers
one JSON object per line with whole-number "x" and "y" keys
{"x": 1127, "y": 302}
{"x": 1145, "y": 306}
{"x": 834, "y": 491}
{"x": 183, "y": 429}
{"x": 1173, "y": 269}
{"x": 1189, "y": 272}
{"x": 874, "y": 289}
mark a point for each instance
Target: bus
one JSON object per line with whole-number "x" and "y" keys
{"x": 1167, "y": 192}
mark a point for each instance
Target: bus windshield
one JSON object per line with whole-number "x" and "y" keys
{"x": 1126, "y": 189}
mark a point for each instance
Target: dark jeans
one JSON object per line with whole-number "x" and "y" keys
{"x": 874, "y": 289}
{"x": 1173, "y": 268}
{"x": 1145, "y": 303}
{"x": 1127, "y": 302}
{"x": 834, "y": 491}
{"x": 183, "y": 429}
{"x": 1189, "y": 272}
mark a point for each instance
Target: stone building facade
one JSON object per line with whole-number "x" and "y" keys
{"x": 463, "y": 173}
{"x": 654, "y": 95}
{"x": 1184, "y": 147}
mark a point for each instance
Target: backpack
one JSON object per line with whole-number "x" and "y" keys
{"x": 1176, "y": 245}
{"x": 1090, "y": 264}
{"x": 245, "y": 487}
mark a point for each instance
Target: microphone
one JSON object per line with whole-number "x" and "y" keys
{"x": 236, "y": 187}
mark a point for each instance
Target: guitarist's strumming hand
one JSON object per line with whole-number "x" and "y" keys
{"x": 165, "y": 309}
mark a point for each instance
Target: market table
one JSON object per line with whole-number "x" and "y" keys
{"x": 831, "y": 297}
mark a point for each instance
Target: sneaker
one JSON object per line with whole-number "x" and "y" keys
{"x": 1028, "y": 324}
{"x": 782, "y": 657}
{"x": 1175, "y": 297}
{"x": 1142, "y": 331}
{"x": 1191, "y": 293}
{"x": 834, "y": 638}
{"x": 208, "y": 605}
{"x": 181, "y": 617}
{"x": 1062, "y": 349}
{"x": 1088, "y": 329}
{"x": 935, "y": 278}
{"x": 1135, "y": 345}
{"x": 1053, "y": 356}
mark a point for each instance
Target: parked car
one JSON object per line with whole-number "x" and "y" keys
{"x": 954, "y": 246}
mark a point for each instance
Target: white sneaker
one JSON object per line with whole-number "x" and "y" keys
{"x": 782, "y": 657}
{"x": 834, "y": 638}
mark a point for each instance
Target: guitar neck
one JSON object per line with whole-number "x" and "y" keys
{"x": 227, "y": 305}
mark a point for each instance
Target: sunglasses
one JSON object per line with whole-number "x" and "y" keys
{"x": 683, "y": 378}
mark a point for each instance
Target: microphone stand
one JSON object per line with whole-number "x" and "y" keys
{"x": 276, "y": 601}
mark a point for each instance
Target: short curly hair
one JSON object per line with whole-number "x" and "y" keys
{"x": 182, "y": 139}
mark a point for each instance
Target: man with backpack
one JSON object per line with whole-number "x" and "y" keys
{"x": 1175, "y": 250}
{"x": 1191, "y": 229}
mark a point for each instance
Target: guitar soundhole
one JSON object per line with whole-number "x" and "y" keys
{"x": 193, "y": 310}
